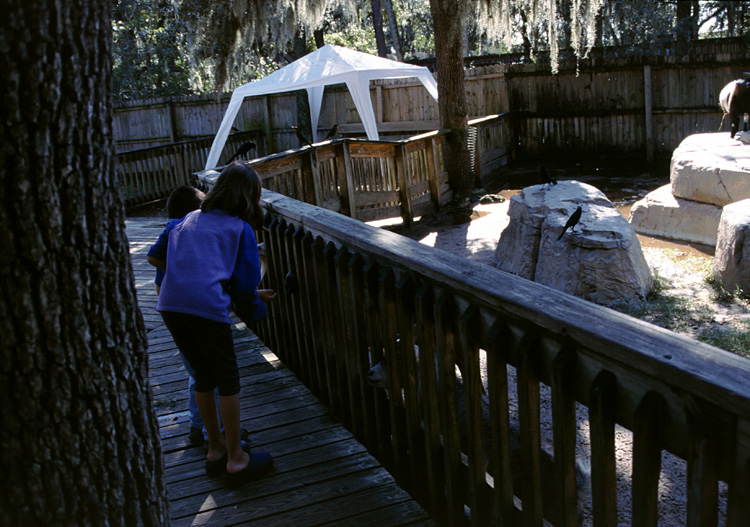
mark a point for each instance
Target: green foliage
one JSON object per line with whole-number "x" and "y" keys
{"x": 355, "y": 31}
{"x": 149, "y": 55}
{"x": 415, "y": 27}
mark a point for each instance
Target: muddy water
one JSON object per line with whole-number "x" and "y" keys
{"x": 623, "y": 186}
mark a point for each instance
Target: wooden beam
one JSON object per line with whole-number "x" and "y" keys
{"x": 647, "y": 104}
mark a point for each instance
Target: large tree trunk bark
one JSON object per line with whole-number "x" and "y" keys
{"x": 393, "y": 29}
{"x": 448, "y": 20}
{"x": 80, "y": 440}
{"x": 377, "y": 23}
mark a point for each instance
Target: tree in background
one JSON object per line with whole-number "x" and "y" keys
{"x": 80, "y": 440}
{"x": 150, "y": 54}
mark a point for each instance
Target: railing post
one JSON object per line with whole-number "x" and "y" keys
{"x": 564, "y": 426}
{"x": 738, "y": 509}
{"x": 404, "y": 181}
{"x": 647, "y": 103}
{"x": 529, "y": 351}
{"x": 647, "y": 447}
{"x": 432, "y": 172}
{"x": 346, "y": 181}
{"x": 498, "y": 337}
{"x": 266, "y": 106}
{"x": 602, "y": 409}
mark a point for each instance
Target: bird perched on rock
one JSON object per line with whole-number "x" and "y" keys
{"x": 303, "y": 140}
{"x": 331, "y": 133}
{"x": 545, "y": 177}
{"x": 572, "y": 221}
{"x": 242, "y": 150}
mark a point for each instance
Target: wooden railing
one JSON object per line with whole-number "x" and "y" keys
{"x": 366, "y": 180}
{"x": 152, "y": 173}
{"x": 350, "y": 294}
{"x": 375, "y": 180}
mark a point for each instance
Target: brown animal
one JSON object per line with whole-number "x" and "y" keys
{"x": 735, "y": 102}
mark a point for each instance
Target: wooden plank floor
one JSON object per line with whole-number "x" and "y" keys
{"x": 322, "y": 475}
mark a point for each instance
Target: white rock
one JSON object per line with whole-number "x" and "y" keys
{"x": 711, "y": 168}
{"x": 600, "y": 259}
{"x": 659, "y": 213}
{"x": 732, "y": 258}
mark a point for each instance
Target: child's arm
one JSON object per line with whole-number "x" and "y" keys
{"x": 249, "y": 303}
{"x": 157, "y": 254}
{"x": 158, "y": 263}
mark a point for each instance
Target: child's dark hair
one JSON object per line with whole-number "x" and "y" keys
{"x": 237, "y": 192}
{"x": 183, "y": 200}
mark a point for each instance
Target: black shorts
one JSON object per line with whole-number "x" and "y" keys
{"x": 208, "y": 347}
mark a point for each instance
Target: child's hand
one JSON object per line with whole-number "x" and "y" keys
{"x": 266, "y": 295}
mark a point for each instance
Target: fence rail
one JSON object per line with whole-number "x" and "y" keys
{"x": 358, "y": 294}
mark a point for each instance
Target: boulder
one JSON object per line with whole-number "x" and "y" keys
{"x": 599, "y": 259}
{"x": 660, "y": 213}
{"x": 711, "y": 168}
{"x": 732, "y": 258}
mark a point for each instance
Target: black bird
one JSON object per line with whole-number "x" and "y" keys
{"x": 546, "y": 178}
{"x": 242, "y": 150}
{"x": 332, "y": 133}
{"x": 301, "y": 137}
{"x": 572, "y": 221}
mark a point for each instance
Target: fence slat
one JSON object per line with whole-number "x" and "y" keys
{"x": 602, "y": 416}
{"x": 647, "y": 447}
{"x": 498, "y": 337}
{"x": 473, "y": 392}
{"x": 445, "y": 349}
{"x": 435, "y": 475}
{"x": 564, "y": 425}
{"x": 529, "y": 419}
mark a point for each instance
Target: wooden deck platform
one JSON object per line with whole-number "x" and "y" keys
{"x": 322, "y": 476}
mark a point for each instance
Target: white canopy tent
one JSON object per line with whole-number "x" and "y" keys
{"x": 327, "y": 65}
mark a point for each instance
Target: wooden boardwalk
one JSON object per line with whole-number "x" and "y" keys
{"x": 322, "y": 476}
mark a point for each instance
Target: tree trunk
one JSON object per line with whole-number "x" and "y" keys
{"x": 80, "y": 440}
{"x": 393, "y": 29}
{"x": 377, "y": 22}
{"x": 685, "y": 26}
{"x": 447, "y": 19}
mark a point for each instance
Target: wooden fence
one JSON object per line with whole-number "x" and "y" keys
{"x": 366, "y": 180}
{"x": 152, "y": 173}
{"x": 350, "y": 294}
{"x": 613, "y": 104}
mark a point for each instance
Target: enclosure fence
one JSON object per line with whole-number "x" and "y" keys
{"x": 467, "y": 444}
{"x": 611, "y": 104}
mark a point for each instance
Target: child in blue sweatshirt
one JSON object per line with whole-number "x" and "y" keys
{"x": 210, "y": 252}
{"x": 181, "y": 201}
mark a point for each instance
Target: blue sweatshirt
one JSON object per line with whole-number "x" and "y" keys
{"x": 170, "y": 225}
{"x": 206, "y": 254}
